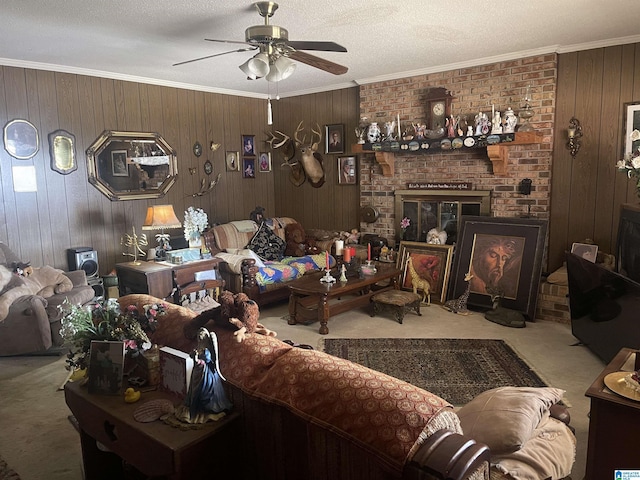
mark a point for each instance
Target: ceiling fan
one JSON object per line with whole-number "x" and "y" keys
{"x": 273, "y": 61}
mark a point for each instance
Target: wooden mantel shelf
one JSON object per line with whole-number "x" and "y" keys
{"x": 498, "y": 153}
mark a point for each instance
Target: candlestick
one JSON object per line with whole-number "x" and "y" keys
{"x": 369, "y": 251}
{"x": 326, "y": 257}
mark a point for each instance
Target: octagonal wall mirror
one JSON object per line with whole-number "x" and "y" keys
{"x": 131, "y": 165}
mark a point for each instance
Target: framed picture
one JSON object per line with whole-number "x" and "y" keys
{"x": 264, "y": 162}
{"x": 248, "y": 145}
{"x": 62, "y": 150}
{"x": 334, "y": 137}
{"x": 430, "y": 262}
{"x": 347, "y": 171}
{"x": 119, "y": 167}
{"x": 631, "y": 123}
{"x": 233, "y": 161}
{"x": 504, "y": 255}
{"x": 249, "y": 168}
{"x": 106, "y": 361}
{"x": 21, "y": 139}
{"x": 585, "y": 250}
{"x": 208, "y": 167}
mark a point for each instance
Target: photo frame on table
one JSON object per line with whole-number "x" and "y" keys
{"x": 503, "y": 255}
{"x": 248, "y": 168}
{"x": 248, "y": 145}
{"x": 585, "y": 250}
{"x": 631, "y": 123}
{"x": 233, "y": 161}
{"x": 431, "y": 263}
{"x": 106, "y": 367}
{"x": 119, "y": 167}
{"x": 264, "y": 162}
{"x": 334, "y": 138}
{"x": 21, "y": 139}
{"x": 347, "y": 171}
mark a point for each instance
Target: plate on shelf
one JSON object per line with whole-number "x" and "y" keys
{"x": 615, "y": 382}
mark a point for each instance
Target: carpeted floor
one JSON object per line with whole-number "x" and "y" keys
{"x": 7, "y": 473}
{"x": 454, "y": 369}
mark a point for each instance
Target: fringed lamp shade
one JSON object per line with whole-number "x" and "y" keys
{"x": 160, "y": 217}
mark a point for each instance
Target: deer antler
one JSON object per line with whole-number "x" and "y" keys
{"x": 319, "y": 133}
{"x": 299, "y": 129}
{"x": 285, "y": 139}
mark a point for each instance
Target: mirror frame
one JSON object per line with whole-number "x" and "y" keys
{"x": 63, "y": 158}
{"x": 103, "y": 141}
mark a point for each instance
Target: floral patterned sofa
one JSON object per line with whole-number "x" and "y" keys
{"x": 264, "y": 281}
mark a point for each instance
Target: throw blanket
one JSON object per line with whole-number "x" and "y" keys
{"x": 244, "y": 225}
{"x": 287, "y": 269}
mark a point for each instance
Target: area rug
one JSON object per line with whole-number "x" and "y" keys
{"x": 7, "y": 473}
{"x": 454, "y": 369}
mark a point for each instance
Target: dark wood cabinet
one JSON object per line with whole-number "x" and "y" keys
{"x": 614, "y": 423}
{"x": 159, "y": 278}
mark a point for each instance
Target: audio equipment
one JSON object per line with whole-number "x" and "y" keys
{"x": 98, "y": 286}
{"x": 84, "y": 258}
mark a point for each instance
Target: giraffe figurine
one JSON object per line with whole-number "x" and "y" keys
{"x": 419, "y": 283}
{"x": 459, "y": 305}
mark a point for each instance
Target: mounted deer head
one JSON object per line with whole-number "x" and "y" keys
{"x": 310, "y": 159}
{"x": 283, "y": 141}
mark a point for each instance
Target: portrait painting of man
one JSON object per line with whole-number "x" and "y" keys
{"x": 495, "y": 264}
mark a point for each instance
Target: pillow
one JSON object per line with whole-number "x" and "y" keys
{"x": 504, "y": 418}
{"x": 266, "y": 244}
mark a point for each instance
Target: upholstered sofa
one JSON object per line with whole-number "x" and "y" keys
{"x": 264, "y": 281}
{"x": 308, "y": 415}
{"x": 32, "y": 322}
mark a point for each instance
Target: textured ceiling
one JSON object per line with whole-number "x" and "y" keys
{"x": 140, "y": 40}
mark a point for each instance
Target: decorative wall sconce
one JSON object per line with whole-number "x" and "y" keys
{"x": 574, "y": 132}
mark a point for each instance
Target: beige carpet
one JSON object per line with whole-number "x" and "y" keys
{"x": 39, "y": 443}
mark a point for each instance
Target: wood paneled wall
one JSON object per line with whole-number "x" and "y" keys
{"x": 66, "y": 211}
{"x": 586, "y": 192}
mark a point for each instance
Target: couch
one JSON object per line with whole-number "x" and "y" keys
{"x": 32, "y": 322}
{"x": 308, "y": 415}
{"x": 244, "y": 270}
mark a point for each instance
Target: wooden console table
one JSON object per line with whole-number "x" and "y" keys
{"x": 159, "y": 278}
{"x": 155, "y": 449}
{"x": 614, "y": 423}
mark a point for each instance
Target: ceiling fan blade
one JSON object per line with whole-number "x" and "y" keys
{"x": 318, "y": 62}
{"x": 226, "y": 41}
{"x": 214, "y": 55}
{"x": 319, "y": 46}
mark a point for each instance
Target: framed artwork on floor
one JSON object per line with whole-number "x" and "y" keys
{"x": 504, "y": 255}
{"x": 430, "y": 262}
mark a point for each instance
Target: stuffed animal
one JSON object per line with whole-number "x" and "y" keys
{"x": 243, "y": 313}
{"x": 436, "y": 237}
{"x": 298, "y": 244}
{"x": 353, "y": 237}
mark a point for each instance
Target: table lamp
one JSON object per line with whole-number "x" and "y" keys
{"x": 160, "y": 217}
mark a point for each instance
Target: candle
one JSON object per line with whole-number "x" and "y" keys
{"x": 369, "y": 251}
{"x": 326, "y": 257}
{"x": 399, "y": 134}
{"x": 339, "y": 247}
{"x": 493, "y": 111}
{"x": 347, "y": 255}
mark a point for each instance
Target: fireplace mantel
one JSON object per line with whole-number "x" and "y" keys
{"x": 497, "y": 153}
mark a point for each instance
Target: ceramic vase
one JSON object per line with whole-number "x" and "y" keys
{"x": 373, "y": 133}
{"x": 510, "y": 121}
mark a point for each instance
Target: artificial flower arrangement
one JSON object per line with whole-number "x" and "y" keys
{"x": 195, "y": 222}
{"x": 631, "y": 161}
{"x": 404, "y": 224}
{"x": 104, "y": 320}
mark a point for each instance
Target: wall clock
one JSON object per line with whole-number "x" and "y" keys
{"x": 438, "y": 107}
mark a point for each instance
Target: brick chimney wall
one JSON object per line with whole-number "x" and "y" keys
{"x": 475, "y": 89}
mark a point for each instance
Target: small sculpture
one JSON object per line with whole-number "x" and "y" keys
{"x": 419, "y": 283}
{"x": 343, "y": 273}
{"x": 459, "y": 305}
{"x": 136, "y": 242}
{"x": 436, "y": 237}
{"x": 389, "y": 128}
{"x": 496, "y": 124}
{"x": 482, "y": 124}
{"x": 373, "y": 133}
{"x": 501, "y": 315}
{"x": 510, "y": 121}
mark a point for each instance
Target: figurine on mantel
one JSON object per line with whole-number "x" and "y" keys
{"x": 510, "y": 121}
{"x": 496, "y": 124}
{"x": 482, "y": 124}
{"x": 389, "y": 129}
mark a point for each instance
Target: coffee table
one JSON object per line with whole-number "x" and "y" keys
{"x": 312, "y": 300}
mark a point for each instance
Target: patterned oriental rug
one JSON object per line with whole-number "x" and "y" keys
{"x": 454, "y": 369}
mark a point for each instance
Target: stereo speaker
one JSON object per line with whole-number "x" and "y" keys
{"x": 84, "y": 258}
{"x": 98, "y": 287}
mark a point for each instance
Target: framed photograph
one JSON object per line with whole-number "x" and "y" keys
{"x": 334, "y": 137}
{"x": 631, "y": 123}
{"x": 347, "y": 171}
{"x": 504, "y": 255}
{"x": 249, "y": 168}
{"x": 233, "y": 162}
{"x": 21, "y": 139}
{"x": 429, "y": 262}
{"x": 585, "y": 250}
{"x": 119, "y": 167}
{"x": 62, "y": 150}
{"x": 208, "y": 167}
{"x": 106, "y": 361}
{"x": 248, "y": 145}
{"x": 264, "y": 162}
